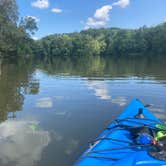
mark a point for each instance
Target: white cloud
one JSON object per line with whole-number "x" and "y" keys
{"x": 100, "y": 18}
{"x": 122, "y": 3}
{"x": 41, "y": 4}
{"x": 56, "y": 10}
{"x": 92, "y": 22}
{"x": 33, "y": 17}
{"x": 103, "y": 12}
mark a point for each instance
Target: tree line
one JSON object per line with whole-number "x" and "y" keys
{"x": 105, "y": 42}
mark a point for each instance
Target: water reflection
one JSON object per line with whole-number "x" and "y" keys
{"x": 99, "y": 88}
{"x": 45, "y": 102}
{"x": 21, "y": 143}
{"x": 121, "y": 101}
{"x": 71, "y": 146}
{"x": 159, "y": 112}
{"x": 16, "y": 80}
{"x": 107, "y": 67}
{"x": 82, "y": 95}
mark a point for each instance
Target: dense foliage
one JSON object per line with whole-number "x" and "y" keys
{"x": 14, "y": 39}
{"x": 105, "y": 42}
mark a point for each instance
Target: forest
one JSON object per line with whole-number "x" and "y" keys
{"x": 105, "y": 42}
{"x": 16, "y": 41}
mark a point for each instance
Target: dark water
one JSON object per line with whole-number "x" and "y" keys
{"x": 49, "y": 112}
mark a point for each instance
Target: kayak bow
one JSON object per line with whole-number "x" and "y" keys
{"x": 134, "y": 138}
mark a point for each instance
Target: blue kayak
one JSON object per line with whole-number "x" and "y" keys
{"x": 132, "y": 139}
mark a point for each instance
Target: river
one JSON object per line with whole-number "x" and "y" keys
{"x": 50, "y": 111}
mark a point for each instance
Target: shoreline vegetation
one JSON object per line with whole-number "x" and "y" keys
{"x": 16, "y": 41}
{"x": 105, "y": 42}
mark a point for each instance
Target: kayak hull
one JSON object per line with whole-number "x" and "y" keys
{"x": 114, "y": 146}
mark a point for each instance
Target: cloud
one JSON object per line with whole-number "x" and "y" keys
{"x": 56, "y": 10}
{"x": 103, "y": 12}
{"x": 122, "y": 3}
{"x": 100, "y": 18}
{"x": 41, "y": 4}
{"x": 33, "y": 17}
{"x": 91, "y": 22}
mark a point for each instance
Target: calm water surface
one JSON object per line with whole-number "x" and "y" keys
{"x": 50, "y": 112}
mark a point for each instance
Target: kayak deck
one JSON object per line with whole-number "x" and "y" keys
{"x": 115, "y": 146}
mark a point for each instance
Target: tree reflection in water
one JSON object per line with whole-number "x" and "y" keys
{"x": 16, "y": 80}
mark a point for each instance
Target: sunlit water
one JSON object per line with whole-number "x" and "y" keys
{"x": 51, "y": 112}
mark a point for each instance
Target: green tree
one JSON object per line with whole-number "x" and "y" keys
{"x": 8, "y": 21}
{"x": 8, "y": 12}
{"x": 15, "y": 40}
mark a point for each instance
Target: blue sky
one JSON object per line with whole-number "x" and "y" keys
{"x": 63, "y": 16}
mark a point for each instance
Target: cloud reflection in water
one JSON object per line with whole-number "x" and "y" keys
{"x": 121, "y": 101}
{"x": 100, "y": 89}
{"x": 45, "y": 102}
{"x": 159, "y": 112}
{"x": 20, "y": 143}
